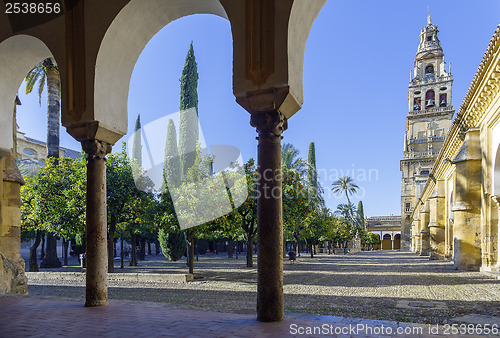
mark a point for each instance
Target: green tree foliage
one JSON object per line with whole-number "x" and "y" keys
{"x": 137, "y": 142}
{"x": 120, "y": 187}
{"x": 172, "y": 169}
{"x": 172, "y": 244}
{"x": 47, "y": 72}
{"x": 54, "y": 200}
{"x": 188, "y": 125}
{"x": 290, "y": 159}
{"x": 360, "y": 218}
{"x": 345, "y": 185}
{"x": 312, "y": 177}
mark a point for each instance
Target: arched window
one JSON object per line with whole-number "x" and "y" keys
{"x": 442, "y": 100}
{"x": 430, "y": 98}
{"x": 416, "y": 103}
{"x": 429, "y": 70}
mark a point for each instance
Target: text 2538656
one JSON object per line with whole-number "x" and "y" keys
{"x": 32, "y": 8}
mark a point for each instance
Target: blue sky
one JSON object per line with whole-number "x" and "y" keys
{"x": 356, "y": 72}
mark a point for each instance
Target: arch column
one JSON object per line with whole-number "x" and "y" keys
{"x": 466, "y": 209}
{"x": 424, "y": 230}
{"x": 416, "y": 235}
{"x": 96, "y": 225}
{"x": 437, "y": 219}
{"x": 270, "y": 124}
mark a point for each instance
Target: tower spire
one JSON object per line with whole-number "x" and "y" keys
{"x": 428, "y": 16}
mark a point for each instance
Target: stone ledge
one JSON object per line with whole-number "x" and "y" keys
{"x": 130, "y": 277}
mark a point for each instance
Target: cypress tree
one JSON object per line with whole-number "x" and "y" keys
{"x": 360, "y": 215}
{"x": 188, "y": 127}
{"x": 172, "y": 244}
{"x": 172, "y": 170}
{"x": 137, "y": 143}
{"x": 312, "y": 176}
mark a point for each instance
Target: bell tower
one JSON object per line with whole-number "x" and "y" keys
{"x": 430, "y": 114}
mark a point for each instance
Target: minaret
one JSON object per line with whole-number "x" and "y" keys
{"x": 429, "y": 117}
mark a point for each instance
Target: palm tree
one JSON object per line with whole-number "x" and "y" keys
{"x": 291, "y": 161}
{"x": 346, "y": 185}
{"x": 346, "y": 211}
{"x": 47, "y": 72}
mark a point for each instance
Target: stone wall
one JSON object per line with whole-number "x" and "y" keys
{"x": 12, "y": 276}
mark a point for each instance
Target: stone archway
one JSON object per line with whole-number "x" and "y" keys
{"x": 387, "y": 242}
{"x": 18, "y": 55}
{"x": 121, "y": 47}
{"x": 397, "y": 242}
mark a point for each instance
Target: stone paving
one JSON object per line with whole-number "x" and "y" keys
{"x": 384, "y": 285}
{"x": 30, "y": 316}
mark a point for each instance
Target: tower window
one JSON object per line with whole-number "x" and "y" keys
{"x": 417, "y": 103}
{"x": 429, "y": 38}
{"x": 429, "y": 70}
{"x": 429, "y": 98}
{"x": 442, "y": 100}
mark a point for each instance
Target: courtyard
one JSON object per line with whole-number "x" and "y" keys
{"x": 376, "y": 285}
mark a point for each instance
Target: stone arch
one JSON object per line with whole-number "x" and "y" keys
{"x": 121, "y": 47}
{"x": 397, "y": 241}
{"x": 387, "y": 242}
{"x": 18, "y": 55}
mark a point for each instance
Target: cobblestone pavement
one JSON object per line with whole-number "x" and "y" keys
{"x": 383, "y": 285}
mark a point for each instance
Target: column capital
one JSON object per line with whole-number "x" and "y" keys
{"x": 269, "y": 124}
{"x": 95, "y": 149}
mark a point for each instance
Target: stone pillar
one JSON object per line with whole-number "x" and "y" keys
{"x": 416, "y": 235}
{"x": 406, "y": 234}
{"x": 96, "y": 250}
{"x": 436, "y": 223}
{"x": 496, "y": 200}
{"x": 270, "y": 299}
{"x": 466, "y": 209}
{"x": 12, "y": 276}
{"x": 424, "y": 230}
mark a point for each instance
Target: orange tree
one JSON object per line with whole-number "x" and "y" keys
{"x": 54, "y": 201}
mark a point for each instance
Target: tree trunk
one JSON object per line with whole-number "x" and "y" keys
{"x": 197, "y": 250}
{"x": 42, "y": 253}
{"x": 190, "y": 238}
{"x": 142, "y": 248}
{"x": 312, "y": 250}
{"x": 51, "y": 260}
{"x": 297, "y": 244}
{"x": 133, "y": 260}
{"x": 122, "y": 254}
{"x": 157, "y": 247}
{"x": 53, "y": 125}
{"x": 53, "y": 107}
{"x": 33, "y": 265}
{"x": 65, "y": 247}
{"x": 149, "y": 248}
{"x": 284, "y": 244}
{"x": 250, "y": 252}
{"x": 237, "y": 248}
{"x": 111, "y": 237}
{"x": 230, "y": 248}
